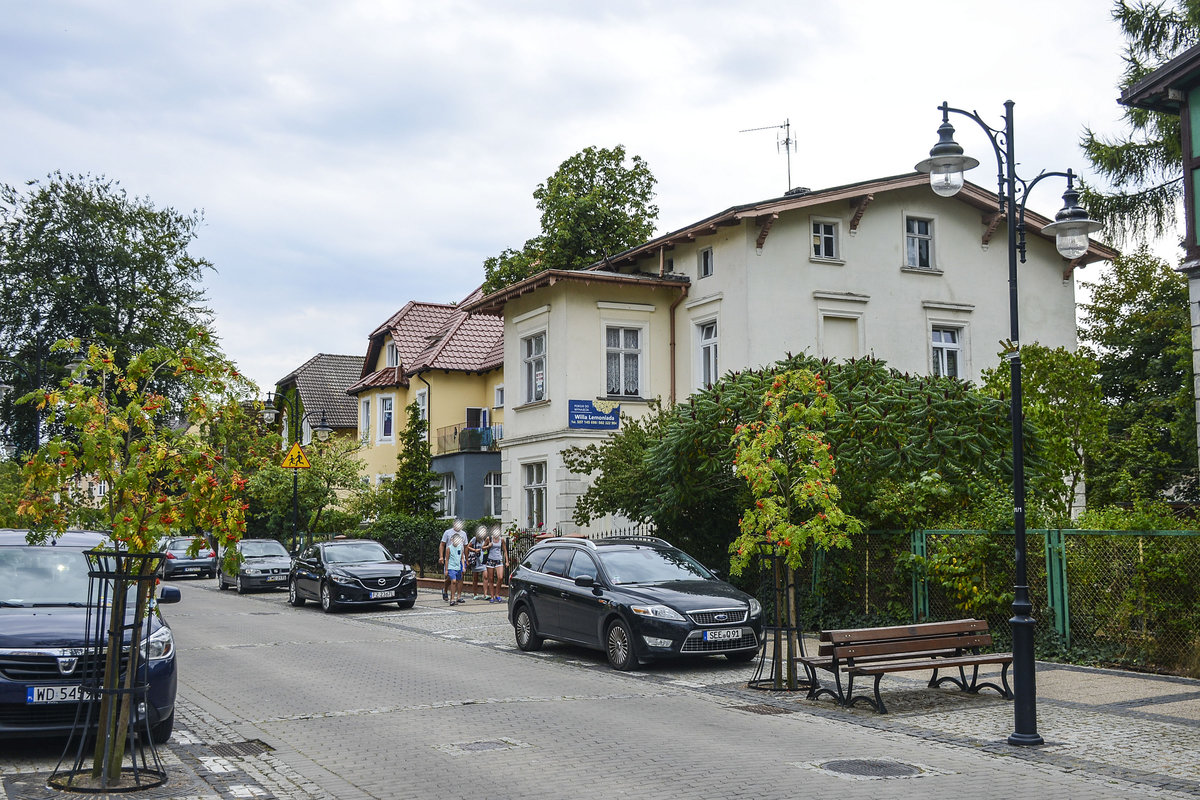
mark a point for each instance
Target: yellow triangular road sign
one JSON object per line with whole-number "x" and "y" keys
{"x": 295, "y": 458}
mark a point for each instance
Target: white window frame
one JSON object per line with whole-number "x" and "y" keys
{"x": 706, "y": 264}
{"x": 833, "y": 238}
{"x": 364, "y": 419}
{"x": 708, "y": 369}
{"x": 534, "y": 488}
{"x": 492, "y": 495}
{"x": 931, "y": 238}
{"x": 498, "y": 396}
{"x": 391, "y": 355}
{"x": 422, "y": 400}
{"x": 285, "y": 430}
{"x": 529, "y": 367}
{"x": 306, "y": 432}
{"x": 939, "y": 349}
{"x": 449, "y": 489}
{"x": 621, "y": 351}
{"x": 387, "y": 411}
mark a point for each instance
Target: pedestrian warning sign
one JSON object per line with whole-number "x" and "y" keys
{"x": 295, "y": 458}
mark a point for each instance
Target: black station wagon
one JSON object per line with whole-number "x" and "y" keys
{"x": 635, "y": 599}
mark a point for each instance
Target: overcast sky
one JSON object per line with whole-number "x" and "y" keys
{"x": 351, "y": 156}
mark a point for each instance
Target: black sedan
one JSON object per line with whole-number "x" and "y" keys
{"x": 637, "y": 600}
{"x": 255, "y": 564}
{"x": 351, "y": 572}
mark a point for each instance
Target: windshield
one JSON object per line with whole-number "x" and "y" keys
{"x": 651, "y": 565}
{"x": 260, "y": 549}
{"x": 357, "y": 552}
{"x": 43, "y": 576}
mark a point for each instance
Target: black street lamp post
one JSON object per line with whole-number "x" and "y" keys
{"x": 945, "y": 165}
{"x": 291, "y": 404}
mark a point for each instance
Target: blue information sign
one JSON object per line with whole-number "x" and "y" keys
{"x": 597, "y": 415}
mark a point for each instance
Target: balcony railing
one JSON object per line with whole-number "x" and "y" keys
{"x": 462, "y": 439}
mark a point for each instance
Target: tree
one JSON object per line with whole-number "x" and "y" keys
{"x": 1144, "y": 166}
{"x": 593, "y": 207}
{"x": 81, "y": 259}
{"x": 789, "y": 467}
{"x": 1063, "y": 398}
{"x": 162, "y": 470}
{"x": 1137, "y": 328}
{"x": 332, "y": 476}
{"x": 414, "y": 490}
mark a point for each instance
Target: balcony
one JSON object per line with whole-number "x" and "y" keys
{"x": 461, "y": 439}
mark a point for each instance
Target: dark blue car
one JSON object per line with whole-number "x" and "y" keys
{"x": 43, "y": 621}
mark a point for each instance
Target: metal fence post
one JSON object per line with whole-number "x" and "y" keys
{"x": 920, "y": 581}
{"x": 1056, "y": 584}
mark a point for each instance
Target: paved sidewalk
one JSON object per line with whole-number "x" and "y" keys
{"x": 1108, "y": 733}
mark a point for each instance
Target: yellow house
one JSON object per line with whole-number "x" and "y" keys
{"x": 452, "y": 367}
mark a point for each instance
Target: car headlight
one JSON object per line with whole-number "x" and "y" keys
{"x": 659, "y": 612}
{"x": 158, "y": 645}
{"x": 338, "y": 577}
{"x": 755, "y": 607}
{"x": 252, "y": 571}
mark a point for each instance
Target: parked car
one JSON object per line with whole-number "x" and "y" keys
{"x": 43, "y": 626}
{"x": 351, "y": 572}
{"x": 635, "y": 599}
{"x": 258, "y": 564}
{"x": 179, "y": 560}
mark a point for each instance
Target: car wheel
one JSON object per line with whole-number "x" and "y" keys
{"x": 237, "y": 583}
{"x": 618, "y": 646}
{"x": 328, "y": 604}
{"x": 527, "y": 637}
{"x": 406, "y": 603}
{"x": 294, "y": 598}
{"x": 221, "y": 582}
{"x": 742, "y": 656}
{"x": 161, "y": 732}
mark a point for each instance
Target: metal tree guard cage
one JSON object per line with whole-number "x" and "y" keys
{"x": 783, "y": 641}
{"x": 114, "y": 681}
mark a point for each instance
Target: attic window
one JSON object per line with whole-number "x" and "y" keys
{"x": 393, "y": 355}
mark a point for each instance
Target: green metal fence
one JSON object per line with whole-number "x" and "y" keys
{"x": 1111, "y": 597}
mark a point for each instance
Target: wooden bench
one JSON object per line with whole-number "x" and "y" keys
{"x": 874, "y": 652}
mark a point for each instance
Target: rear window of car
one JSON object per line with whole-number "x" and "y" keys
{"x": 535, "y": 559}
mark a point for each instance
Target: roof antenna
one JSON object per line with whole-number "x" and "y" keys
{"x": 786, "y": 143}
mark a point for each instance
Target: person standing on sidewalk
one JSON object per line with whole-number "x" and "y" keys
{"x": 476, "y": 556}
{"x": 497, "y": 559}
{"x": 456, "y": 560}
{"x": 450, "y": 532}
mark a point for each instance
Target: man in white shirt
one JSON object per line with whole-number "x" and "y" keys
{"x": 456, "y": 528}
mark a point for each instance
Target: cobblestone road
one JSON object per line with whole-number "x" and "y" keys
{"x": 433, "y": 702}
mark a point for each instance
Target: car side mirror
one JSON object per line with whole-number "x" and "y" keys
{"x": 398, "y": 556}
{"x": 170, "y": 594}
{"x": 585, "y": 581}
{"x": 716, "y": 573}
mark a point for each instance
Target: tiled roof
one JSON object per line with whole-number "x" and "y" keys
{"x": 434, "y": 336}
{"x": 322, "y": 382}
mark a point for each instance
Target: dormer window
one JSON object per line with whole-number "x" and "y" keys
{"x": 393, "y": 355}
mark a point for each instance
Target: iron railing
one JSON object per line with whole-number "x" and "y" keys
{"x": 465, "y": 439}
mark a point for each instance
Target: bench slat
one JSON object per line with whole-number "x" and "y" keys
{"x": 932, "y": 664}
{"x": 911, "y": 646}
{"x": 905, "y": 631}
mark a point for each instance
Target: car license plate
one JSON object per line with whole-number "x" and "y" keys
{"x": 725, "y": 635}
{"x": 191, "y": 569}
{"x": 379, "y": 595}
{"x": 51, "y": 694}
{"x": 276, "y": 577}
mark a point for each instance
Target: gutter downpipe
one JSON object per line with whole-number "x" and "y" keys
{"x": 682, "y": 295}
